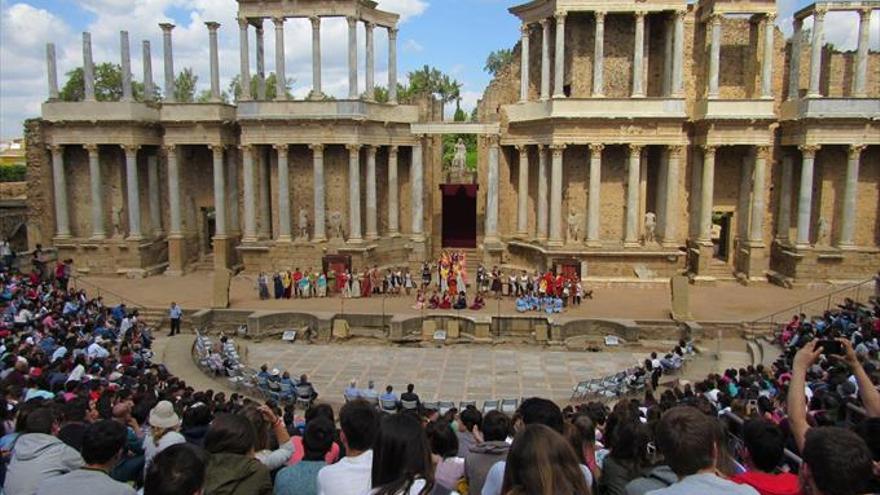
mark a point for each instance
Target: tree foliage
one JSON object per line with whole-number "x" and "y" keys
{"x": 108, "y": 84}
{"x": 497, "y": 60}
{"x": 185, "y": 86}
{"x": 430, "y": 81}
{"x": 271, "y": 87}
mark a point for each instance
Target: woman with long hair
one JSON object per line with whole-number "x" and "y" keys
{"x": 232, "y": 468}
{"x": 401, "y": 458}
{"x": 628, "y": 440}
{"x": 541, "y": 462}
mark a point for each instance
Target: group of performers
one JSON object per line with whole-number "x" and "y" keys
{"x": 295, "y": 284}
{"x": 373, "y": 282}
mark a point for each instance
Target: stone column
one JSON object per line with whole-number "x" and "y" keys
{"x": 317, "y": 92}
{"x": 369, "y": 64}
{"x": 707, "y": 196}
{"x": 670, "y": 209}
{"x": 176, "y": 228}
{"x": 88, "y": 68}
{"x": 805, "y": 195}
{"x": 51, "y": 71}
{"x": 169, "y": 62}
{"x": 522, "y": 193}
{"x": 556, "y": 236}
{"x": 244, "y": 54}
{"x": 392, "y": 65}
{"x": 354, "y": 193}
{"x": 59, "y": 179}
{"x": 638, "y": 87}
{"x": 816, "y": 53}
{"x": 545, "y": 59}
{"x": 599, "y": 56}
{"x": 352, "y": 58}
{"x": 794, "y": 63}
{"x": 542, "y": 193}
{"x": 668, "y": 33}
{"x": 417, "y": 189}
{"x": 261, "y": 58}
{"x": 678, "y": 55}
{"x": 860, "y": 81}
{"x": 149, "y": 88}
{"x": 767, "y": 66}
{"x": 280, "y": 71}
{"x": 372, "y": 209}
{"x": 234, "y": 223}
{"x": 283, "y": 193}
{"x": 714, "y": 54}
{"x": 759, "y": 184}
{"x": 125, "y": 64}
{"x": 593, "y": 198}
{"x": 219, "y": 192}
{"x": 524, "y": 64}
{"x": 491, "y": 234}
{"x": 318, "y": 190}
{"x": 133, "y": 192}
{"x": 393, "y": 206}
{"x": 850, "y": 197}
{"x": 743, "y": 212}
{"x": 153, "y": 194}
{"x": 559, "y": 59}
{"x": 784, "y": 221}
{"x": 215, "y": 60}
{"x": 633, "y": 188}
{"x": 264, "y": 171}
{"x": 250, "y": 210}
{"x": 97, "y": 192}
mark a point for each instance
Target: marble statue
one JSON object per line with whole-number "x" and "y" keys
{"x": 574, "y": 226}
{"x": 117, "y": 221}
{"x": 459, "y": 161}
{"x": 650, "y": 227}
{"x": 335, "y": 225}
{"x": 303, "y": 225}
{"x": 822, "y": 232}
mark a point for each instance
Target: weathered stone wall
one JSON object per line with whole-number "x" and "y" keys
{"x": 838, "y": 70}
{"x": 41, "y": 213}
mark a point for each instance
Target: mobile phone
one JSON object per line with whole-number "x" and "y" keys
{"x": 753, "y": 403}
{"x": 831, "y": 347}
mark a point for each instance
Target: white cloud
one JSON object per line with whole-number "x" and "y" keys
{"x": 406, "y": 8}
{"x": 412, "y": 46}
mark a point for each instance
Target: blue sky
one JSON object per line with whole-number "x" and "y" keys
{"x": 452, "y": 35}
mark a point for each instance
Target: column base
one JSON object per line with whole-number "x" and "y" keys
{"x": 176, "y": 255}
{"x": 522, "y": 235}
{"x": 559, "y": 96}
{"x": 393, "y": 234}
{"x": 598, "y": 95}
{"x": 849, "y": 246}
{"x": 285, "y": 238}
{"x": 640, "y": 95}
{"x": 418, "y": 237}
{"x": 316, "y": 95}
{"x": 632, "y": 244}
{"x": 223, "y": 252}
{"x": 63, "y": 237}
{"x": 671, "y": 243}
{"x": 594, "y": 243}
{"x": 371, "y": 236}
{"x": 555, "y": 243}
{"x": 98, "y": 237}
{"x": 134, "y": 238}
{"x": 158, "y": 233}
{"x": 355, "y": 240}
{"x": 318, "y": 240}
{"x": 249, "y": 238}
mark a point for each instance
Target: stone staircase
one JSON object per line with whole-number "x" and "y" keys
{"x": 204, "y": 264}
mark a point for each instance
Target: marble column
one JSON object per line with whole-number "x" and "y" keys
{"x": 59, "y": 179}
{"x": 794, "y": 63}
{"x": 352, "y": 58}
{"x": 149, "y": 87}
{"x": 524, "y": 64}
{"x": 416, "y": 180}
{"x": 743, "y": 207}
{"x": 714, "y": 54}
{"x": 133, "y": 191}
{"x": 219, "y": 192}
{"x": 671, "y": 197}
{"x": 153, "y": 194}
{"x": 245, "y": 64}
{"x": 250, "y": 210}
{"x": 51, "y": 71}
{"x": 170, "y": 96}
{"x": 125, "y": 65}
{"x": 707, "y": 194}
{"x": 522, "y": 193}
{"x": 393, "y": 203}
{"x": 97, "y": 192}
{"x": 599, "y": 56}
{"x": 265, "y": 192}
{"x": 318, "y": 190}
{"x": 860, "y": 81}
{"x": 545, "y": 59}
{"x": 816, "y": 53}
{"x": 805, "y": 195}
{"x": 668, "y": 32}
{"x": 354, "y": 193}
{"x": 631, "y": 237}
{"x": 767, "y": 66}
{"x": 283, "y": 193}
{"x": 280, "y": 71}
{"x": 784, "y": 221}
{"x": 678, "y": 55}
{"x": 392, "y": 65}
{"x": 594, "y": 192}
{"x": 638, "y": 75}
{"x": 88, "y": 68}
{"x": 850, "y": 196}
{"x": 556, "y": 236}
{"x": 369, "y": 64}
{"x": 559, "y": 58}
{"x": 232, "y": 192}
{"x": 491, "y": 234}
{"x": 261, "y": 58}
{"x": 317, "y": 93}
{"x": 542, "y": 193}
{"x": 759, "y": 184}
{"x": 372, "y": 208}
{"x": 215, "y": 60}
{"x": 176, "y": 228}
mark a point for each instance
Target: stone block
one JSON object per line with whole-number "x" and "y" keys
{"x": 220, "y": 298}
{"x": 680, "y": 289}
{"x": 340, "y": 328}
{"x": 453, "y": 330}
{"x": 428, "y": 329}
{"x": 542, "y": 333}
{"x": 482, "y": 330}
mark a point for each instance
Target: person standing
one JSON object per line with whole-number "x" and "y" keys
{"x": 175, "y": 314}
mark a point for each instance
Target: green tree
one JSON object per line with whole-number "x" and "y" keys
{"x": 271, "y": 90}
{"x": 205, "y": 97}
{"x": 108, "y": 84}
{"x": 380, "y": 94}
{"x": 430, "y": 81}
{"x": 497, "y": 60}
{"x": 185, "y": 86}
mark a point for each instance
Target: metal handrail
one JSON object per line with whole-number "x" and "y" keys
{"x": 798, "y": 308}
{"x": 789, "y": 455}
{"x": 75, "y": 280}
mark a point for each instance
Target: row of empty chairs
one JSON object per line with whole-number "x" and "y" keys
{"x": 507, "y": 406}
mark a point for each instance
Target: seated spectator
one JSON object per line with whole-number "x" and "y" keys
{"x": 231, "y": 468}
{"x": 370, "y": 394}
{"x": 401, "y": 458}
{"x": 628, "y": 458}
{"x": 313, "y": 413}
{"x": 542, "y": 462}
{"x": 469, "y": 421}
{"x": 302, "y": 478}
{"x": 446, "y": 302}
{"x": 177, "y": 470}
{"x": 493, "y": 448}
{"x": 691, "y": 443}
{"x": 163, "y": 433}
{"x": 434, "y": 301}
{"x": 305, "y": 388}
{"x": 268, "y": 427}
{"x": 352, "y": 474}
{"x": 196, "y": 420}
{"x": 581, "y": 435}
{"x": 479, "y": 302}
{"x": 449, "y": 467}
{"x": 461, "y": 302}
{"x": 764, "y": 444}
{"x": 101, "y": 450}
{"x": 351, "y": 391}
{"x": 410, "y": 396}
{"x": 389, "y": 395}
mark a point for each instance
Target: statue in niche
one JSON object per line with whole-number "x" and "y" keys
{"x": 303, "y": 225}
{"x": 335, "y": 220}
{"x": 459, "y": 161}
{"x": 117, "y": 221}
{"x": 822, "y": 232}
{"x": 650, "y": 227}
{"x": 574, "y": 225}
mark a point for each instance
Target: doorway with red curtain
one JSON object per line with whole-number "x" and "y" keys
{"x": 459, "y": 215}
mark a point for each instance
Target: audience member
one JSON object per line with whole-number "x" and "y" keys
{"x": 177, "y": 470}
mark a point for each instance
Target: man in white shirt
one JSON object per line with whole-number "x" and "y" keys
{"x": 96, "y": 351}
{"x": 352, "y": 474}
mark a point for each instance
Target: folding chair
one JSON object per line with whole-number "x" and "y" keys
{"x": 490, "y": 405}
{"x": 388, "y": 406}
{"x": 508, "y": 406}
{"x": 445, "y": 406}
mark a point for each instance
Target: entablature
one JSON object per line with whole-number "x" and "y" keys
{"x": 99, "y": 111}
{"x": 537, "y": 10}
{"x": 364, "y": 10}
{"x": 734, "y": 109}
{"x": 831, "y": 108}
{"x": 335, "y": 110}
{"x": 597, "y": 108}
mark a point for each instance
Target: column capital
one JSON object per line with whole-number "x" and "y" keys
{"x": 393, "y": 149}
{"x": 709, "y": 149}
{"x": 522, "y": 148}
{"x": 243, "y": 23}
{"x": 675, "y": 150}
{"x": 90, "y": 147}
{"x": 166, "y": 27}
{"x": 130, "y": 148}
{"x": 392, "y": 32}
{"x": 212, "y": 25}
{"x": 369, "y": 26}
{"x": 600, "y": 15}
{"x": 810, "y": 150}
{"x": 557, "y": 149}
{"x": 169, "y": 148}
{"x": 545, "y": 22}
{"x": 370, "y": 149}
{"x": 316, "y": 21}
{"x": 763, "y": 151}
{"x": 680, "y": 14}
{"x": 635, "y": 149}
{"x": 353, "y": 148}
{"x": 524, "y": 29}
{"x": 560, "y": 16}
{"x": 640, "y": 15}
{"x": 797, "y": 23}
{"x": 770, "y": 17}
{"x": 715, "y": 19}
{"x": 216, "y": 148}
{"x": 864, "y": 14}
{"x": 493, "y": 140}
{"x": 855, "y": 150}
{"x": 278, "y": 21}
{"x": 352, "y": 21}
{"x": 245, "y": 148}
{"x": 55, "y": 148}
{"x": 819, "y": 14}
{"x": 596, "y": 147}
{"x": 281, "y": 148}
{"x": 317, "y": 147}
